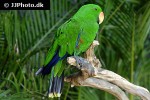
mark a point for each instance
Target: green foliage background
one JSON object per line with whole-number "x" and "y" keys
{"x": 25, "y": 37}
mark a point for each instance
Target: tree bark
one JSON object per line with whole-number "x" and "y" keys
{"x": 91, "y": 74}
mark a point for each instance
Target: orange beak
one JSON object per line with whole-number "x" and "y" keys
{"x": 101, "y": 17}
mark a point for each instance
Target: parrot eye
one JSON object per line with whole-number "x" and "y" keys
{"x": 95, "y": 8}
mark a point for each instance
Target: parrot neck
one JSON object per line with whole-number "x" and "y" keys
{"x": 88, "y": 19}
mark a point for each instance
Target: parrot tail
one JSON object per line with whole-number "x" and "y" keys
{"x": 56, "y": 83}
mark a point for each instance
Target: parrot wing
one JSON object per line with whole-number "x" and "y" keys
{"x": 64, "y": 44}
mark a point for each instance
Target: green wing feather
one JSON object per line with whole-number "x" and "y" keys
{"x": 57, "y": 67}
{"x": 66, "y": 39}
{"x": 51, "y": 52}
{"x": 63, "y": 66}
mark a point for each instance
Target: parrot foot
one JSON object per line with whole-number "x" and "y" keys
{"x": 85, "y": 66}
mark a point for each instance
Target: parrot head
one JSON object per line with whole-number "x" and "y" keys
{"x": 91, "y": 12}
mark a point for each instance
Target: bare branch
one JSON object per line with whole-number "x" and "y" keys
{"x": 91, "y": 74}
{"x": 78, "y": 80}
{"x": 123, "y": 83}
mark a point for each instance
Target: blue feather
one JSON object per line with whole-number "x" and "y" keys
{"x": 56, "y": 83}
{"x": 77, "y": 41}
{"x": 47, "y": 69}
{"x": 78, "y": 38}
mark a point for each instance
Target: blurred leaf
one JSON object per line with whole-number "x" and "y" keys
{"x": 25, "y": 37}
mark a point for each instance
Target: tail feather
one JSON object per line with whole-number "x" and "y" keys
{"x": 60, "y": 85}
{"x": 56, "y": 83}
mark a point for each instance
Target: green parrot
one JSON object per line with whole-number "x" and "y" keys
{"x": 72, "y": 38}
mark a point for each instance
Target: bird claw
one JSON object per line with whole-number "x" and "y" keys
{"x": 85, "y": 66}
{"x": 78, "y": 62}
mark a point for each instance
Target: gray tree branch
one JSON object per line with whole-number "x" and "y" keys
{"x": 91, "y": 74}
